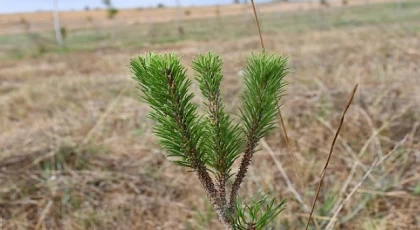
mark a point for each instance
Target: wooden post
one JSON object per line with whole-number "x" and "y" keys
{"x": 57, "y": 28}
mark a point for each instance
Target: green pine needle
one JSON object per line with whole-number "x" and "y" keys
{"x": 225, "y": 141}
{"x": 164, "y": 84}
{"x": 213, "y": 144}
{"x": 264, "y": 87}
{"x": 259, "y": 212}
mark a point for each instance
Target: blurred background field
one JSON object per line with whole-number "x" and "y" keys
{"x": 77, "y": 152}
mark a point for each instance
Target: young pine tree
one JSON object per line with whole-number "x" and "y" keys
{"x": 209, "y": 145}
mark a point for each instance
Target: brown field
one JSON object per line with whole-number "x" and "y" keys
{"x": 42, "y": 21}
{"x": 77, "y": 150}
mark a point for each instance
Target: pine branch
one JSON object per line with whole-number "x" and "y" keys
{"x": 225, "y": 142}
{"x": 212, "y": 144}
{"x": 264, "y": 87}
{"x": 165, "y": 86}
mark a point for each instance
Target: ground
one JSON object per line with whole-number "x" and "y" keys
{"x": 77, "y": 150}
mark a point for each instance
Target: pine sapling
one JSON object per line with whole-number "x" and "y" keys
{"x": 210, "y": 144}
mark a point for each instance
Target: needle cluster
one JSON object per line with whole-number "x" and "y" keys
{"x": 210, "y": 144}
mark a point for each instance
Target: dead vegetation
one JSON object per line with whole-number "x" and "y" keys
{"x": 76, "y": 19}
{"x": 76, "y": 150}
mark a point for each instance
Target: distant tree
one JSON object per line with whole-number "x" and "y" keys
{"x": 87, "y": 8}
{"x": 110, "y": 9}
{"x": 91, "y": 21}
{"x": 63, "y": 31}
{"x": 235, "y": 1}
{"x": 217, "y": 11}
{"x": 111, "y": 12}
{"x": 25, "y": 23}
{"x": 161, "y": 5}
{"x": 325, "y": 3}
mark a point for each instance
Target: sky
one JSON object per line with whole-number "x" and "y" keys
{"x": 14, "y": 6}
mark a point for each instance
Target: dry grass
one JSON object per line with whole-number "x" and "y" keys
{"x": 9, "y": 23}
{"x": 119, "y": 179}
